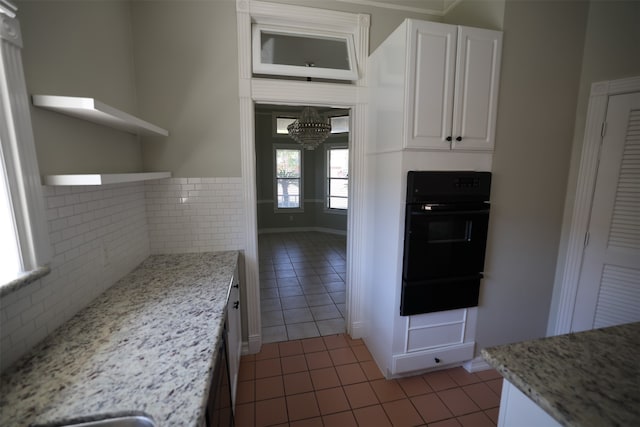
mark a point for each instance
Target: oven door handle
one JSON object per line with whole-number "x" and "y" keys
{"x": 439, "y": 280}
{"x": 448, "y": 209}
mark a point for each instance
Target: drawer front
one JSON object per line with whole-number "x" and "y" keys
{"x": 429, "y": 359}
{"x": 437, "y": 336}
{"x": 430, "y": 319}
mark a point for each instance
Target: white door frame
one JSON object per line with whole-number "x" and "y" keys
{"x": 286, "y": 92}
{"x": 596, "y": 115}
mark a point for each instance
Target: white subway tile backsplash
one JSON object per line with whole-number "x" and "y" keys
{"x": 100, "y": 233}
{"x": 195, "y": 214}
{"x": 83, "y": 222}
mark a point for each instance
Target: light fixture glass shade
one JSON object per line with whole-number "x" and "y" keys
{"x": 309, "y": 129}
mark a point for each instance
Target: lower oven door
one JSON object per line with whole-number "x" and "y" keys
{"x": 443, "y": 241}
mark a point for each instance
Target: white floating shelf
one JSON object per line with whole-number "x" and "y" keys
{"x": 95, "y": 111}
{"x": 102, "y": 179}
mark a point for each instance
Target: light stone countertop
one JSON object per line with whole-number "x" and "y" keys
{"x": 145, "y": 346}
{"x": 585, "y": 379}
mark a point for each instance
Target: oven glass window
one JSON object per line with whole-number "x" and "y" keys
{"x": 449, "y": 231}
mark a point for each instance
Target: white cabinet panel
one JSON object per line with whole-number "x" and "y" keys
{"x": 435, "y": 336}
{"x": 437, "y": 318}
{"x": 476, "y": 95}
{"x": 452, "y": 86}
{"x": 431, "y": 82}
{"x": 517, "y": 410}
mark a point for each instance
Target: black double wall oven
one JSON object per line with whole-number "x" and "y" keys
{"x": 446, "y": 221}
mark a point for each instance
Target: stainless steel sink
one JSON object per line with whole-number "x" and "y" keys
{"x": 128, "y": 421}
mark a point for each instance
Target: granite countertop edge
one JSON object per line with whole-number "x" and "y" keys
{"x": 520, "y": 383}
{"x": 146, "y": 346}
{"x": 582, "y": 379}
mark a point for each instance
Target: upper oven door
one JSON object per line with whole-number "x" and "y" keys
{"x": 444, "y": 240}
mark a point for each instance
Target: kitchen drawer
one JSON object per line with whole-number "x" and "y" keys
{"x": 429, "y": 359}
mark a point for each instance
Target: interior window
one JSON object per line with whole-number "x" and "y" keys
{"x": 288, "y": 178}
{"x": 286, "y": 51}
{"x": 337, "y": 178}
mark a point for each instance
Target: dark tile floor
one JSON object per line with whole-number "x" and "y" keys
{"x": 333, "y": 381}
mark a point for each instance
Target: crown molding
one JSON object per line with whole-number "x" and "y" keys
{"x": 10, "y": 30}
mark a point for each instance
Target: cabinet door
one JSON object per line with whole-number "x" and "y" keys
{"x": 476, "y": 88}
{"x": 234, "y": 334}
{"x": 429, "y": 96}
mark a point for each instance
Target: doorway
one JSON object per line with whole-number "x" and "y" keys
{"x": 302, "y": 206}
{"x": 253, "y": 90}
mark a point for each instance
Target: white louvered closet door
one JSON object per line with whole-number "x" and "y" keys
{"x": 609, "y": 287}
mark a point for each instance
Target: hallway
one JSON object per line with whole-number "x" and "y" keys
{"x": 302, "y": 285}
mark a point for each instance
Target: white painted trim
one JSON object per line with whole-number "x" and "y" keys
{"x": 300, "y": 93}
{"x": 476, "y": 365}
{"x": 7, "y": 8}
{"x": 19, "y": 152}
{"x": 579, "y": 225}
{"x": 301, "y": 17}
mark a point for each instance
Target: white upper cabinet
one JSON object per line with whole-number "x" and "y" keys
{"x": 452, "y": 86}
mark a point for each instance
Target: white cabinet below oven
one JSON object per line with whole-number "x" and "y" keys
{"x": 434, "y": 340}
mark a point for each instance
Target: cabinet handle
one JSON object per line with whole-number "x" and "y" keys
{"x": 437, "y": 360}
{"x": 459, "y": 138}
{"x": 236, "y": 285}
{"x": 236, "y": 304}
{"x": 449, "y": 138}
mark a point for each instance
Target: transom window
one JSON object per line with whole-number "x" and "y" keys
{"x": 337, "y": 187}
{"x": 288, "y": 51}
{"x": 288, "y": 178}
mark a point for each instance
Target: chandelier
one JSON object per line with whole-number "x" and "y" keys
{"x": 309, "y": 129}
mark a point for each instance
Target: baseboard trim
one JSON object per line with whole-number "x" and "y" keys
{"x": 357, "y": 330}
{"x": 253, "y": 345}
{"x": 476, "y": 365}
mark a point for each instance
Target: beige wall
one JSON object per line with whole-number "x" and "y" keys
{"x": 611, "y": 51}
{"x": 173, "y": 63}
{"x": 187, "y": 79}
{"x": 542, "y": 55}
{"x": 80, "y": 49}
{"x": 478, "y": 13}
{"x": 383, "y": 20}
